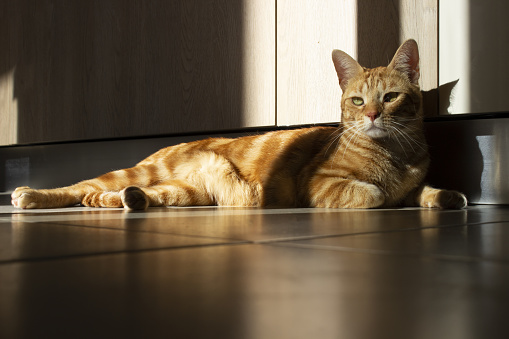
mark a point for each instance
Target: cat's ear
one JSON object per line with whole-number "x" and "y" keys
{"x": 406, "y": 60}
{"x": 346, "y": 67}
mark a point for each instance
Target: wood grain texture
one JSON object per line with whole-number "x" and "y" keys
{"x": 307, "y": 32}
{"x": 115, "y": 68}
{"x": 259, "y": 67}
{"x": 8, "y": 103}
{"x": 419, "y": 21}
{"x": 8, "y": 109}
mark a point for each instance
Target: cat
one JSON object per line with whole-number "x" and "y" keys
{"x": 376, "y": 158}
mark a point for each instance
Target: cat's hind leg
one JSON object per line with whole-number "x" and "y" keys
{"x": 99, "y": 192}
{"x": 215, "y": 184}
{"x": 28, "y": 198}
{"x": 131, "y": 198}
{"x": 170, "y": 193}
{"x": 102, "y": 199}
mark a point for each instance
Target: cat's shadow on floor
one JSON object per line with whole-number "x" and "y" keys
{"x": 456, "y": 159}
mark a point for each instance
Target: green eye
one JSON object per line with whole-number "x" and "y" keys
{"x": 391, "y": 97}
{"x": 357, "y": 101}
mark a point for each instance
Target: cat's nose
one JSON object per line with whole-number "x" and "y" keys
{"x": 372, "y": 115}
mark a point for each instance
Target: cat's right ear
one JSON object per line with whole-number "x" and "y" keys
{"x": 346, "y": 67}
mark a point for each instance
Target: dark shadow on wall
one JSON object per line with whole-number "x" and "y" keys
{"x": 456, "y": 159}
{"x": 437, "y": 101}
{"x": 378, "y": 30}
{"x": 89, "y": 69}
{"x": 489, "y": 52}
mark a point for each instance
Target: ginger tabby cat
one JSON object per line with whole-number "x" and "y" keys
{"x": 377, "y": 157}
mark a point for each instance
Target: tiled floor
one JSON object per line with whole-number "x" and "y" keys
{"x": 253, "y": 273}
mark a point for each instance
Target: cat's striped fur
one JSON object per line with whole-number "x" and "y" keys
{"x": 376, "y": 158}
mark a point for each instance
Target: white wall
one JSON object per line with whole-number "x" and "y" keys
{"x": 474, "y": 49}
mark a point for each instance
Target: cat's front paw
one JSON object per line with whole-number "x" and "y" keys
{"x": 25, "y": 197}
{"x": 438, "y": 198}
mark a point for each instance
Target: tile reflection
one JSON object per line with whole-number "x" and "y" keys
{"x": 38, "y": 241}
{"x": 241, "y": 224}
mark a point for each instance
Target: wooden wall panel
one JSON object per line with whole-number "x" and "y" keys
{"x": 419, "y": 20}
{"x": 8, "y": 109}
{"x": 90, "y": 69}
{"x": 307, "y": 32}
{"x": 115, "y": 68}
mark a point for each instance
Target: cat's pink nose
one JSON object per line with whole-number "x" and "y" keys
{"x": 372, "y": 115}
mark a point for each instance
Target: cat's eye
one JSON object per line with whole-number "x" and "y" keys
{"x": 357, "y": 101}
{"x": 391, "y": 97}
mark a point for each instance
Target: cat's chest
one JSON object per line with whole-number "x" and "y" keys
{"x": 397, "y": 177}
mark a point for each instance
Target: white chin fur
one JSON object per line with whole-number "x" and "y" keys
{"x": 375, "y": 132}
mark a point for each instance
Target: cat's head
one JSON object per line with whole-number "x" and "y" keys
{"x": 384, "y": 101}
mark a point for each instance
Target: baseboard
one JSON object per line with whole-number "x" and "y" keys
{"x": 470, "y": 155}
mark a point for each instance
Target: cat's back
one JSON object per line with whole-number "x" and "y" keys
{"x": 258, "y": 150}
{"x": 277, "y": 149}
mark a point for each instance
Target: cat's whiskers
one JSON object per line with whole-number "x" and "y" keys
{"x": 339, "y": 132}
{"x": 411, "y": 130}
{"x": 394, "y": 136}
{"x": 402, "y": 136}
{"x": 405, "y": 136}
{"x": 340, "y": 135}
{"x": 353, "y": 137}
{"x": 339, "y": 142}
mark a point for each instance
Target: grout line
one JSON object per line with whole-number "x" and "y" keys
{"x": 127, "y": 230}
{"x": 445, "y": 257}
{"x": 284, "y": 241}
{"x": 274, "y": 240}
{"x": 412, "y": 229}
{"x": 123, "y": 252}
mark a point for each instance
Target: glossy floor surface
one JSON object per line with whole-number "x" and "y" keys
{"x": 254, "y": 273}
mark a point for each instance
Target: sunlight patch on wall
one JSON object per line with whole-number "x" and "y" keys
{"x": 8, "y": 109}
{"x": 258, "y": 74}
{"x": 454, "y": 52}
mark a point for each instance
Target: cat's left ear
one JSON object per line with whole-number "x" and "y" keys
{"x": 406, "y": 60}
{"x": 346, "y": 67}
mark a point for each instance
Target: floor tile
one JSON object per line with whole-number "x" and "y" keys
{"x": 253, "y": 291}
{"x": 39, "y": 241}
{"x": 473, "y": 242}
{"x": 243, "y": 224}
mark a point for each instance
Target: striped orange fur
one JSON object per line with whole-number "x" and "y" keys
{"x": 377, "y": 157}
